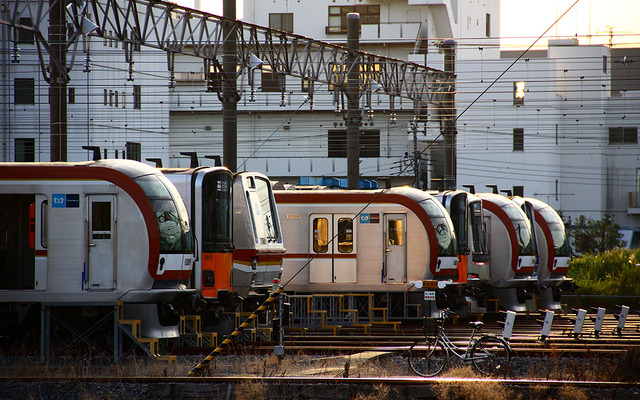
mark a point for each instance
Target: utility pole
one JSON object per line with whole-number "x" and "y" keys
{"x": 354, "y": 116}
{"x": 58, "y": 81}
{"x": 229, "y": 88}
{"x": 449, "y": 117}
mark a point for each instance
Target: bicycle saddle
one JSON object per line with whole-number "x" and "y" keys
{"x": 476, "y": 324}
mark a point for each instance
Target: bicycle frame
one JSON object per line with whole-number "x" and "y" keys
{"x": 452, "y": 348}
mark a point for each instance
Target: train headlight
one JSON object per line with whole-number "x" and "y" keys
{"x": 254, "y": 263}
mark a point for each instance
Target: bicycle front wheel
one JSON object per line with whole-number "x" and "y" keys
{"x": 491, "y": 355}
{"x": 427, "y": 357}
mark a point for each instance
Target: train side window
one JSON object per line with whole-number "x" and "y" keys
{"x": 320, "y": 235}
{"x": 44, "y": 220}
{"x": 345, "y": 235}
{"x": 395, "y": 232}
{"x": 101, "y": 220}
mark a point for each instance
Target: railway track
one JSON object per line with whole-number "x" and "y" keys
{"x": 526, "y": 338}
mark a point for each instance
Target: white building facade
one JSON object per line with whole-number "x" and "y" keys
{"x": 560, "y": 125}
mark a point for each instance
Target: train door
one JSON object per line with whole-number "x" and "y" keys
{"x": 395, "y": 248}
{"x": 17, "y": 253}
{"x": 102, "y": 242}
{"x": 333, "y": 261}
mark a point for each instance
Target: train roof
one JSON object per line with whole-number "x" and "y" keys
{"x": 130, "y": 168}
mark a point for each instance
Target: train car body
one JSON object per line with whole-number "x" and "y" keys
{"x": 512, "y": 252}
{"x": 207, "y": 193}
{"x": 345, "y": 241}
{"x": 257, "y": 237}
{"x": 554, "y": 254}
{"x": 97, "y": 232}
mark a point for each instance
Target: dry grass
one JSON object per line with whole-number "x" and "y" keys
{"x": 472, "y": 388}
{"x": 380, "y": 392}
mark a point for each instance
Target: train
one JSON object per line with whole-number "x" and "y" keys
{"x": 554, "y": 253}
{"x": 259, "y": 246}
{"x": 512, "y": 251}
{"x": 97, "y": 232}
{"x": 239, "y": 246}
{"x": 390, "y": 241}
{"x": 466, "y": 213}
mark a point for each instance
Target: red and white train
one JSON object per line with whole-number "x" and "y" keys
{"x": 512, "y": 251}
{"x": 365, "y": 241}
{"x": 94, "y": 232}
{"x": 554, "y": 254}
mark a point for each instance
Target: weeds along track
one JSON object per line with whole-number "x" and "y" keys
{"x": 250, "y": 387}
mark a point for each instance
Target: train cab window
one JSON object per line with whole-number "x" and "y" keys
{"x": 320, "y": 235}
{"x": 394, "y": 228}
{"x": 345, "y": 235}
{"x": 101, "y": 220}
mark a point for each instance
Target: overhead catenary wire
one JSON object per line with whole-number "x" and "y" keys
{"x": 200, "y": 366}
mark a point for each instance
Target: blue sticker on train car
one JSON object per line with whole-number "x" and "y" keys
{"x": 58, "y": 200}
{"x": 73, "y": 200}
{"x": 65, "y": 200}
{"x": 364, "y": 218}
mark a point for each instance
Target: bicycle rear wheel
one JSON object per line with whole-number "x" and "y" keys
{"x": 427, "y": 357}
{"x": 491, "y": 355}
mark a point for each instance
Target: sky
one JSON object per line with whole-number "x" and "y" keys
{"x": 522, "y": 21}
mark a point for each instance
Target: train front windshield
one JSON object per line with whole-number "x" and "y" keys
{"x": 171, "y": 214}
{"x": 268, "y": 209}
{"x": 217, "y": 213}
{"x": 523, "y": 229}
{"x": 444, "y": 229}
{"x": 556, "y": 226}
{"x": 477, "y": 232}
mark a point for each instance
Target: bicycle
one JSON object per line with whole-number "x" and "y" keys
{"x": 489, "y": 354}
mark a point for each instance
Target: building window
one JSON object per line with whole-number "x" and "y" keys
{"x": 369, "y": 15}
{"x": 273, "y": 82}
{"x": 25, "y": 36}
{"x": 518, "y": 191}
{"x": 518, "y": 93}
{"x": 604, "y": 64}
{"x": 72, "y": 95}
{"x": 518, "y": 139}
{"x": 137, "y": 97}
{"x": 487, "y": 26}
{"x": 24, "y": 91}
{"x": 134, "y": 151}
{"x": 106, "y": 96}
{"x": 369, "y": 143}
{"x": 25, "y": 150}
{"x": 307, "y": 85}
{"x": 623, "y": 135}
{"x": 283, "y": 22}
{"x": 115, "y": 99}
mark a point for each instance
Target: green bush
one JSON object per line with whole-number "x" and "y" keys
{"x": 615, "y": 272}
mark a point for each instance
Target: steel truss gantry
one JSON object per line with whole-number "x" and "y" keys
{"x": 180, "y": 30}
